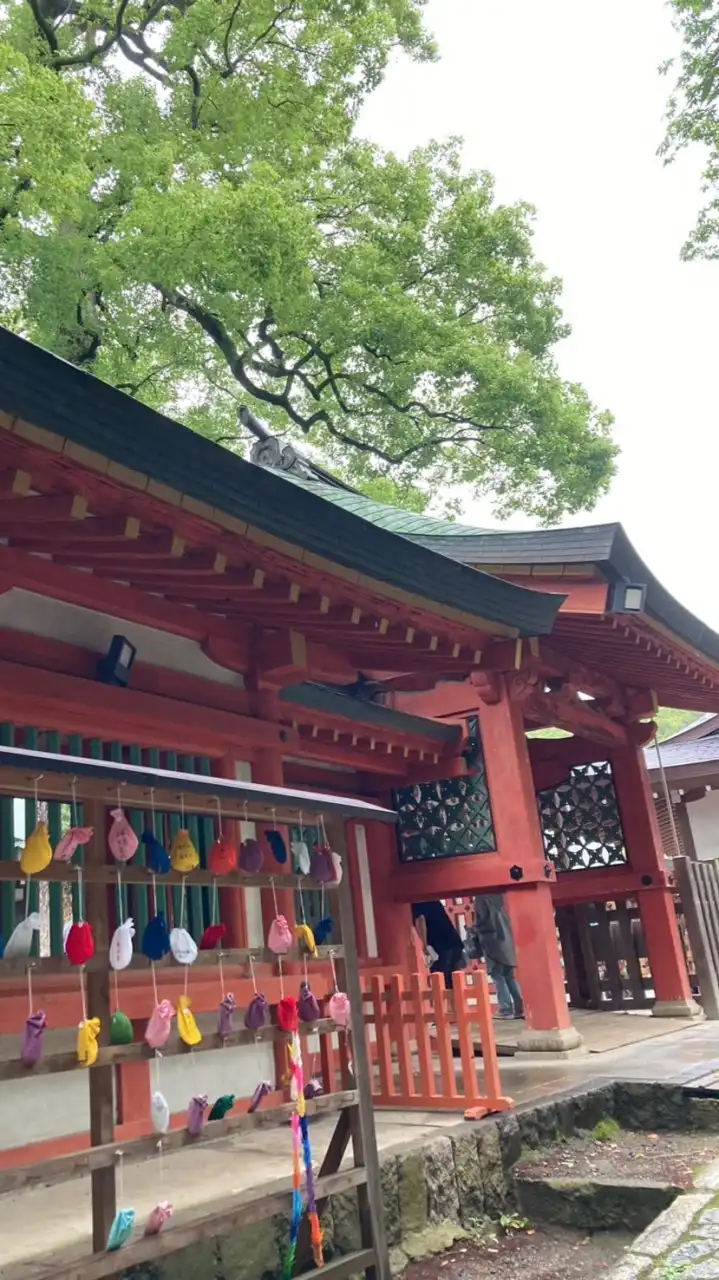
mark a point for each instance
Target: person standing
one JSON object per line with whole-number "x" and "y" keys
{"x": 437, "y": 932}
{"x": 493, "y": 934}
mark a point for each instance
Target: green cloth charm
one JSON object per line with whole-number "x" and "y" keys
{"x": 120, "y": 1028}
{"x": 222, "y": 1106}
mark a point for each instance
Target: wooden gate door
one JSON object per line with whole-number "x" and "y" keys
{"x": 605, "y": 961}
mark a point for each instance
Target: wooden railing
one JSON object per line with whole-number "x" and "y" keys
{"x": 429, "y": 1048}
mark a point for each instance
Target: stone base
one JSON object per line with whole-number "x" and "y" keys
{"x": 561, "y": 1042}
{"x": 677, "y": 1009}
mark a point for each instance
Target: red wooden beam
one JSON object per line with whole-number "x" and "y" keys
{"x": 51, "y": 534}
{"x": 57, "y": 582}
{"x": 33, "y": 509}
{"x": 71, "y": 705}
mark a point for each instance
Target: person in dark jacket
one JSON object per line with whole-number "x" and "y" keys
{"x": 495, "y": 944}
{"x": 436, "y": 930}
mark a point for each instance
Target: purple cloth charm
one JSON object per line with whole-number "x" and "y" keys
{"x": 197, "y": 1114}
{"x": 250, "y": 859}
{"x": 31, "y": 1041}
{"x": 307, "y": 1006}
{"x": 225, "y": 1025}
{"x": 258, "y": 1013}
{"x": 322, "y": 867}
{"x": 262, "y": 1090}
{"x": 313, "y": 1089}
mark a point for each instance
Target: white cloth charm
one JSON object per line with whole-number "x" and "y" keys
{"x": 183, "y": 946}
{"x": 160, "y": 1112}
{"x": 121, "y": 944}
{"x": 19, "y": 943}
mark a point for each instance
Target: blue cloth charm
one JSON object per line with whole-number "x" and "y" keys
{"x": 157, "y": 857}
{"x": 156, "y": 939}
{"x": 123, "y": 1225}
{"x": 323, "y": 930}
{"x": 277, "y": 845}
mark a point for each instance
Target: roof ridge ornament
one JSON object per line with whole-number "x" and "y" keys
{"x": 268, "y": 450}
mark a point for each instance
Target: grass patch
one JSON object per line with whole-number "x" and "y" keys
{"x": 606, "y": 1131}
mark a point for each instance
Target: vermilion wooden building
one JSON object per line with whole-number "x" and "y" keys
{"x": 264, "y": 602}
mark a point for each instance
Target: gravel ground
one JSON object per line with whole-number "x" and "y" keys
{"x": 665, "y": 1157}
{"x": 546, "y": 1254}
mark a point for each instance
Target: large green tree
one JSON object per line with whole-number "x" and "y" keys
{"x": 187, "y": 211}
{"x": 693, "y": 112}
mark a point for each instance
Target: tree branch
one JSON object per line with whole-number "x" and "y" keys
{"x": 45, "y": 27}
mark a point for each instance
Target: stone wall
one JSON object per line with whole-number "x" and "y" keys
{"x": 439, "y": 1190}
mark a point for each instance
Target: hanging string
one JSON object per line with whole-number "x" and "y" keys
{"x": 182, "y": 810}
{"x": 154, "y": 982}
{"x": 303, "y": 920}
{"x": 30, "y": 968}
{"x": 279, "y": 958}
{"x": 161, "y": 1162}
{"x": 152, "y": 811}
{"x": 219, "y": 817}
{"x": 119, "y": 896}
{"x": 120, "y": 1176}
{"x": 154, "y": 892}
{"x": 273, "y": 811}
{"x": 246, "y": 819}
{"x": 182, "y": 902}
{"x": 334, "y": 971}
{"x": 115, "y": 990}
{"x": 82, "y": 992}
{"x": 73, "y": 789}
{"x": 80, "y": 895}
{"x": 252, "y": 974}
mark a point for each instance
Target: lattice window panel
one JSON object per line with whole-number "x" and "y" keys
{"x": 580, "y": 820}
{"x": 450, "y": 818}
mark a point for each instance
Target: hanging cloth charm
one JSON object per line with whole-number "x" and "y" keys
{"x": 307, "y": 1005}
{"x": 32, "y": 1039}
{"x": 197, "y": 1114}
{"x": 313, "y": 1089}
{"x": 322, "y": 867}
{"x": 183, "y": 946}
{"x": 277, "y": 844}
{"x": 212, "y": 936}
{"x": 80, "y": 942}
{"x": 305, "y": 939}
{"x": 339, "y": 1005}
{"x": 261, "y": 1092}
{"x": 250, "y": 859}
{"x": 287, "y": 1014}
{"x": 183, "y": 854}
{"x": 279, "y": 938}
{"x": 159, "y": 1026}
{"x": 157, "y": 858}
{"x": 300, "y": 853}
{"x": 155, "y": 938}
{"x": 158, "y": 1217}
{"x": 121, "y": 944}
{"x": 258, "y": 1013}
{"x": 225, "y": 1025}
{"x": 121, "y": 838}
{"x": 186, "y": 1025}
{"x": 123, "y": 1224}
{"x": 87, "y": 1046}
{"x": 71, "y": 841}
{"x": 160, "y": 1112}
{"x": 120, "y": 1028}
{"x": 222, "y": 1106}
{"x": 19, "y": 944}
{"x": 37, "y": 853}
{"x": 323, "y": 930}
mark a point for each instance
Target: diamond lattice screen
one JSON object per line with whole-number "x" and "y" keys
{"x": 450, "y": 818}
{"x": 580, "y": 820}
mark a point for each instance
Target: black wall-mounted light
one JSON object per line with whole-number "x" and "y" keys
{"x": 628, "y": 597}
{"x": 116, "y": 666}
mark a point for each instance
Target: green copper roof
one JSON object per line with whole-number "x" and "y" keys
{"x": 393, "y": 519}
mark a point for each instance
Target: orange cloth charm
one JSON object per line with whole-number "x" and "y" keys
{"x": 222, "y": 858}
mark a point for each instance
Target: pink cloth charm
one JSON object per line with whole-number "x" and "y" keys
{"x": 71, "y": 841}
{"x": 279, "y": 939}
{"x": 31, "y": 1042}
{"x": 157, "y": 1032}
{"x": 158, "y": 1218}
{"x": 225, "y": 1026}
{"x": 197, "y": 1114}
{"x": 339, "y": 1009}
{"x": 121, "y": 838}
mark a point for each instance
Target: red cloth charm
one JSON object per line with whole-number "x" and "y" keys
{"x": 213, "y": 934}
{"x": 80, "y": 945}
{"x": 222, "y": 858}
{"x": 287, "y": 1014}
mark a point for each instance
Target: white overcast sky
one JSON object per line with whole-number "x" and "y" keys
{"x": 562, "y": 101}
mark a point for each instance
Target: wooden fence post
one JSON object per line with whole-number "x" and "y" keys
{"x": 698, "y": 885}
{"x": 101, "y": 1082}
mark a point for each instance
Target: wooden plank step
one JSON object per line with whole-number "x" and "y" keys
{"x": 261, "y": 1203}
{"x": 76, "y": 1164}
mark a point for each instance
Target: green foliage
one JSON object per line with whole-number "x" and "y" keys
{"x": 693, "y": 111}
{"x": 606, "y": 1130}
{"x": 512, "y": 1223}
{"x": 670, "y": 721}
{"x": 186, "y": 210}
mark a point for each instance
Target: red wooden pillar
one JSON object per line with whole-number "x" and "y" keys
{"x": 519, "y": 842}
{"x": 393, "y": 920}
{"x": 656, "y": 903}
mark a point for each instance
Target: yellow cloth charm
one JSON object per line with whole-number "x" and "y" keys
{"x": 183, "y": 854}
{"x": 37, "y": 854}
{"x": 186, "y": 1025}
{"x": 87, "y": 1046}
{"x": 306, "y": 939}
